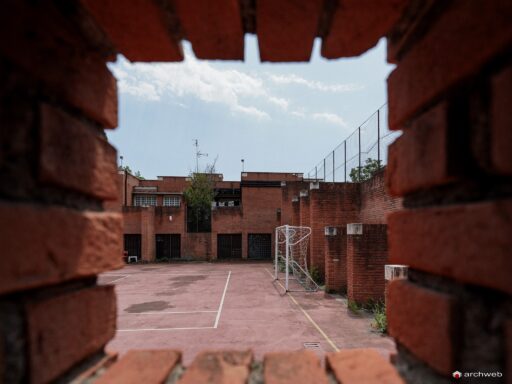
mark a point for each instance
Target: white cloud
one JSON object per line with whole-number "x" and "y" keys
{"x": 330, "y": 118}
{"x": 193, "y": 78}
{"x": 316, "y": 85}
{"x": 242, "y": 93}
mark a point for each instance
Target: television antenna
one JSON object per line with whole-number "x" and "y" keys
{"x": 198, "y": 154}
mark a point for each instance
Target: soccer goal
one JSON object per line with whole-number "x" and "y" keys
{"x": 291, "y": 252}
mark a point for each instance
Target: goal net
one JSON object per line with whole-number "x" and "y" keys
{"x": 290, "y": 262}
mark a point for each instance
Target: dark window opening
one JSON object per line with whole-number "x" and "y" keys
{"x": 229, "y": 246}
{"x": 168, "y": 246}
{"x": 132, "y": 245}
{"x": 260, "y": 246}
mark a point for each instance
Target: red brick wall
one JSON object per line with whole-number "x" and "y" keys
{"x": 57, "y": 170}
{"x": 451, "y": 93}
{"x": 336, "y": 262}
{"x": 227, "y": 220}
{"x": 376, "y": 202}
{"x": 288, "y": 192}
{"x": 366, "y": 256}
{"x": 304, "y": 218}
{"x": 197, "y": 246}
{"x": 333, "y": 204}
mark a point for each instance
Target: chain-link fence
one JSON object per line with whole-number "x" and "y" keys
{"x": 360, "y": 154}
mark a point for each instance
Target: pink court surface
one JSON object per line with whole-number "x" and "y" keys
{"x": 198, "y": 306}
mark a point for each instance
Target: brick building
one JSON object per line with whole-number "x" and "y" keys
{"x": 243, "y": 217}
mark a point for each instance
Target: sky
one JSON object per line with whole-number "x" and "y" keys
{"x": 279, "y": 117}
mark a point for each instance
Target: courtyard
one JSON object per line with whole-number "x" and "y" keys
{"x": 193, "y": 306}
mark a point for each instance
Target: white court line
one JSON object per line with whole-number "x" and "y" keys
{"x": 162, "y": 329}
{"x": 222, "y": 301}
{"x": 113, "y": 281}
{"x": 165, "y": 313}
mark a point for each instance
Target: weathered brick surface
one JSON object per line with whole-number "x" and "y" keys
{"x": 425, "y": 322}
{"x": 469, "y": 243}
{"x": 73, "y": 155}
{"x": 420, "y": 158}
{"x": 501, "y": 122}
{"x": 366, "y": 256}
{"x": 336, "y": 261}
{"x": 286, "y": 29}
{"x": 52, "y": 51}
{"x": 442, "y": 58}
{"x": 219, "y": 367}
{"x": 358, "y": 25}
{"x": 142, "y": 366}
{"x": 333, "y": 204}
{"x": 214, "y": 28}
{"x": 354, "y": 366}
{"x": 139, "y": 29}
{"x": 47, "y": 245}
{"x": 375, "y": 201}
{"x": 293, "y": 368}
{"x": 64, "y": 329}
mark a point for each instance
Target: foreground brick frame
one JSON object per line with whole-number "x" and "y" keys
{"x": 450, "y": 93}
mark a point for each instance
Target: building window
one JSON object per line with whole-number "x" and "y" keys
{"x": 172, "y": 201}
{"x": 144, "y": 200}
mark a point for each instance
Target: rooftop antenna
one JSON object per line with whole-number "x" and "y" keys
{"x": 198, "y": 154}
{"x": 121, "y": 158}
{"x": 243, "y": 165}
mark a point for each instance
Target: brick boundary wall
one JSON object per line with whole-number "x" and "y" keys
{"x": 451, "y": 93}
{"x": 336, "y": 261}
{"x": 366, "y": 256}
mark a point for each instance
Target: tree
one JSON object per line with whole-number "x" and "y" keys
{"x": 127, "y": 169}
{"x": 365, "y": 172}
{"x": 199, "y": 196}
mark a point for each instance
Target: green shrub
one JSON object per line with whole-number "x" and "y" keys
{"x": 379, "y": 314}
{"x": 353, "y": 307}
{"x": 315, "y": 274}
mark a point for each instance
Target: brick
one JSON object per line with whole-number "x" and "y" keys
{"x": 48, "y": 47}
{"x": 293, "y": 368}
{"x": 419, "y": 158}
{"x": 65, "y": 329}
{"x": 137, "y": 28}
{"x": 219, "y": 367}
{"x": 142, "y": 366}
{"x": 441, "y": 58}
{"x": 501, "y": 121}
{"x": 358, "y": 25}
{"x": 73, "y": 156}
{"x": 366, "y": 256}
{"x": 354, "y": 366}
{"x": 469, "y": 243}
{"x": 375, "y": 201}
{"x": 48, "y": 245}
{"x": 214, "y": 28}
{"x": 424, "y": 321}
{"x": 287, "y": 28}
{"x": 332, "y": 204}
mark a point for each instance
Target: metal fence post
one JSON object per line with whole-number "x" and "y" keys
{"x": 378, "y": 137}
{"x": 324, "y": 170}
{"x": 316, "y": 173}
{"x": 359, "y": 134}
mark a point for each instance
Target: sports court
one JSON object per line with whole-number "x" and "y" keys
{"x": 195, "y": 306}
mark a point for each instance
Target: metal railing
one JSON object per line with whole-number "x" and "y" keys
{"x": 367, "y": 144}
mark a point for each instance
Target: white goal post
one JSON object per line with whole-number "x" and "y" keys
{"x": 291, "y": 253}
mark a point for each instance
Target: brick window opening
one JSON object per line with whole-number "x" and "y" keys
{"x": 144, "y": 200}
{"x": 172, "y": 201}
